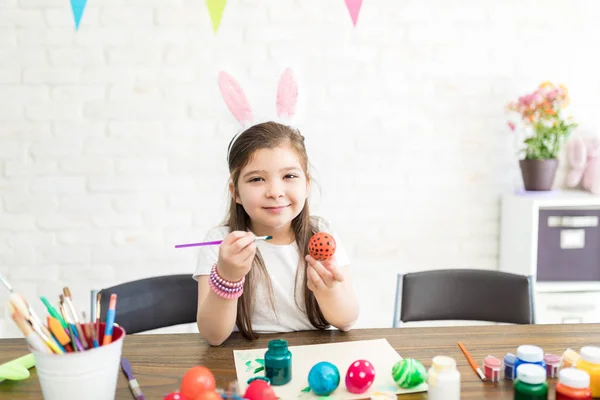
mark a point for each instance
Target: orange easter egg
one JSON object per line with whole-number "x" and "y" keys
{"x": 209, "y": 395}
{"x": 197, "y": 380}
{"x": 321, "y": 246}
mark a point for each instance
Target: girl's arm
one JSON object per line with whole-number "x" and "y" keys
{"x": 216, "y": 316}
{"x": 334, "y": 292}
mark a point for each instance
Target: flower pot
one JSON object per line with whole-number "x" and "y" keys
{"x": 538, "y": 175}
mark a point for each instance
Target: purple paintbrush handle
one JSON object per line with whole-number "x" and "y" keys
{"x": 179, "y": 246}
{"x": 133, "y": 383}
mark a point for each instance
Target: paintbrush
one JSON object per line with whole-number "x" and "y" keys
{"x": 70, "y": 327}
{"x": 35, "y": 341}
{"x": 216, "y": 242}
{"x": 133, "y": 383}
{"x": 75, "y": 318}
{"x": 28, "y": 313}
{"x": 472, "y": 362}
{"x": 20, "y": 308}
{"x": 98, "y": 311}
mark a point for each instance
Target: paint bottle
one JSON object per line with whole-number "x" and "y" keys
{"x": 278, "y": 362}
{"x": 569, "y": 359}
{"x": 530, "y": 383}
{"x": 573, "y": 384}
{"x": 552, "y": 365}
{"x": 528, "y": 354}
{"x": 590, "y": 363}
{"x": 443, "y": 379}
{"x": 509, "y": 366}
{"x": 492, "y": 367}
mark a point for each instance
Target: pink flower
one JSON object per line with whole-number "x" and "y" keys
{"x": 512, "y": 126}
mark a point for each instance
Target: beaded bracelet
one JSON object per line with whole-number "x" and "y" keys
{"x": 224, "y": 288}
{"x": 215, "y": 273}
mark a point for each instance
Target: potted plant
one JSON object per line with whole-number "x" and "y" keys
{"x": 545, "y": 129}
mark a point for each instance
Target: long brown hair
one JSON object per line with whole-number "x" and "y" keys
{"x": 269, "y": 135}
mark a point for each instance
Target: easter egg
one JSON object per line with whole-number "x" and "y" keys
{"x": 360, "y": 376}
{"x": 208, "y": 395}
{"x": 408, "y": 373}
{"x": 323, "y": 378}
{"x": 259, "y": 389}
{"x": 197, "y": 380}
{"x": 174, "y": 396}
{"x": 321, "y": 246}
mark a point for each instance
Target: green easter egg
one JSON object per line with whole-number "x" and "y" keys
{"x": 408, "y": 373}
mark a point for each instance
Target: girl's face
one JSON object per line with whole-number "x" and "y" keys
{"x": 272, "y": 188}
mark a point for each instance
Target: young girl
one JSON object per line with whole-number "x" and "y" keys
{"x": 272, "y": 286}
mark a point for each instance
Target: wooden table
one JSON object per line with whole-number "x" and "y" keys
{"x": 159, "y": 361}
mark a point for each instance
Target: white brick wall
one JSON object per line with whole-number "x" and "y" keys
{"x": 113, "y": 138}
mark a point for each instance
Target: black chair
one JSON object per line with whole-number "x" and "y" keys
{"x": 464, "y": 295}
{"x": 153, "y": 303}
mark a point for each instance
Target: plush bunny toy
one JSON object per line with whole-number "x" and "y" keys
{"x": 584, "y": 159}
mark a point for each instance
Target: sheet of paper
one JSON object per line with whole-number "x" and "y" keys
{"x": 378, "y": 352}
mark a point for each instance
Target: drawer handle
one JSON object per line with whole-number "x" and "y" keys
{"x": 576, "y": 308}
{"x": 582, "y": 221}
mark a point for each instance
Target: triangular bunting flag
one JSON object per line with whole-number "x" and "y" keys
{"x": 78, "y": 6}
{"x": 215, "y": 9}
{"x": 354, "y": 9}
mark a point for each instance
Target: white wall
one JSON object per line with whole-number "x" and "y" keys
{"x": 113, "y": 138}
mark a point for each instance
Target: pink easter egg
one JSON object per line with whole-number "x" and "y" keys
{"x": 360, "y": 376}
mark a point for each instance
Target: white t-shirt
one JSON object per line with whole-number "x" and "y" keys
{"x": 281, "y": 262}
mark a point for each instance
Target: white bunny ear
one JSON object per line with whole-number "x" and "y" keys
{"x": 287, "y": 95}
{"x": 235, "y": 99}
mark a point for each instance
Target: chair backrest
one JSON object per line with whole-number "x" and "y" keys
{"x": 464, "y": 294}
{"x": 153, "y": 303}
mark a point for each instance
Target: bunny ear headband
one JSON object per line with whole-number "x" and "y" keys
{"x": 236, "y": 101}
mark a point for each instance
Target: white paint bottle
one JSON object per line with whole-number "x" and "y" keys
{"x": 443, "y": 379}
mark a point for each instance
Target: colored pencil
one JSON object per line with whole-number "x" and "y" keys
{"x": 472, "y": 362}
{"x": 216, "y": 242}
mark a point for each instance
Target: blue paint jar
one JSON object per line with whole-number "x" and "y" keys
{"x": 509, "y": 366}
{"x": 528, "y": 354}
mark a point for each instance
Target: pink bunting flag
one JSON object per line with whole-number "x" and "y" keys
{"x": 354, "y": 9}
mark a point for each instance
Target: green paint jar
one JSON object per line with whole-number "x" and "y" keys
{"x": 278, "y": 362}
{"x": 531, "y": 383}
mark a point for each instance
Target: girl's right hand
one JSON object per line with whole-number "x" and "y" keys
{"x": 236, "y": 254}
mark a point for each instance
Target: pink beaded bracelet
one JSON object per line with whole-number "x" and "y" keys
{"x": 224, "y": 288}
{"x": 214, "y": 272}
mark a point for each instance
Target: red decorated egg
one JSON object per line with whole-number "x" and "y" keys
{"x": 197, "y": 380}
{"x": 360, "y": 376}
{"x": 259, "y": 389}
{"x": 174, "y": 396}
{"x": 321, "y": 246}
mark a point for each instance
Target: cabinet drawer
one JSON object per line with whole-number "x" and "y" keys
{"x": 568, "y": 245}
{"x": 567, "y": 308}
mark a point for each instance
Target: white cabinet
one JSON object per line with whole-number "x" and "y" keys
{"x": 555, "y": 238}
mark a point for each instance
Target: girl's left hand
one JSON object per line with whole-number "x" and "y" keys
{"x": 322, "y": 275}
